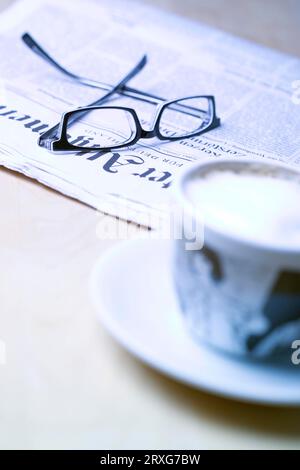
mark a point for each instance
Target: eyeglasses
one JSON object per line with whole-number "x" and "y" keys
{"x": 113, "y": 127}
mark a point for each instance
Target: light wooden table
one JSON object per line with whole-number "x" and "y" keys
{"x": 66, "y": 383}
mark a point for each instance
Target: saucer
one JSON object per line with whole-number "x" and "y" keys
{"x": 133, "y": 292}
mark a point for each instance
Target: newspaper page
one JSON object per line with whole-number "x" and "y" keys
{"x": 254, "y": 87}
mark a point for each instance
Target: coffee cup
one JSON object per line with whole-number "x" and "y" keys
{"x": 240, "y": 291}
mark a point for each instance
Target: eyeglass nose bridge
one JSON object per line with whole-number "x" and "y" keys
{"x": 148, "y": 134}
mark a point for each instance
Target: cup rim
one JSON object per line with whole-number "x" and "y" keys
{"x": 217, "y": 234}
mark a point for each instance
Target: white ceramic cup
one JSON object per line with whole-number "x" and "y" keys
{"x": 237, "y": 295}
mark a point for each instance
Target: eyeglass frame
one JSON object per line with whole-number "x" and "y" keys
{"x": 62, "y": 144}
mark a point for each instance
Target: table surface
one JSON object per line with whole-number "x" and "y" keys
{"x": 66, "y": 383}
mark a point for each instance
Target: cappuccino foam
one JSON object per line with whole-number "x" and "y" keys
{"x": 254, "y": 205}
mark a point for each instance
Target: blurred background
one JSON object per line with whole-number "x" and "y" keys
{"x": 275, "y": 23}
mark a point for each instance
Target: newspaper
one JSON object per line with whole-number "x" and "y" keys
{"x": 254, "y": 89}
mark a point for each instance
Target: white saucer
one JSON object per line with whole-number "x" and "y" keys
{"x": 133, "y": 292}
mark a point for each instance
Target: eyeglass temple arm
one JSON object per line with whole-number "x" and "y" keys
{"x": 52, "y": 132}
{"x": 128, "y": 91}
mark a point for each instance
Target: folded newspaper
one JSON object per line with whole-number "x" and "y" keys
{"x": 254, "y": 87}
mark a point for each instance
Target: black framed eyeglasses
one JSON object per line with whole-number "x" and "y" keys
{"x": 115, "y": 127}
